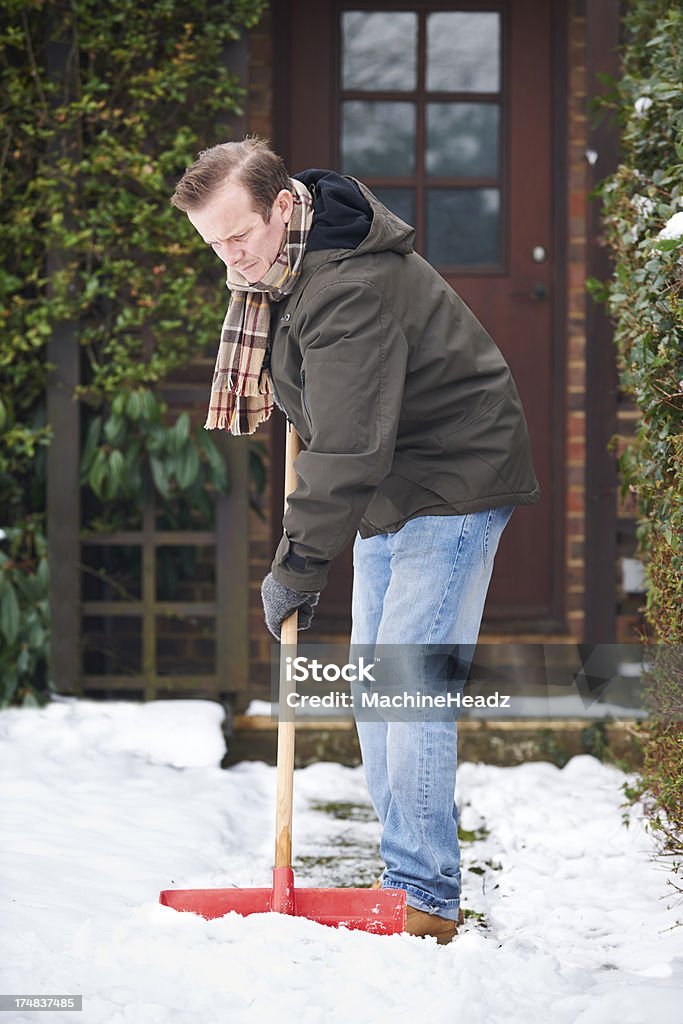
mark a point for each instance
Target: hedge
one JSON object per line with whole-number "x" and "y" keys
{"x": 642, "y": 215}
{"x": 104, "y": 105}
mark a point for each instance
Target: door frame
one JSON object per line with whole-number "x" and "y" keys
{"x": 555, "y": 621}
{"x": 603, "y": 36}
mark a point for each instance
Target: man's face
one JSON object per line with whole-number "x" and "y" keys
{"x": 238, "y": 234}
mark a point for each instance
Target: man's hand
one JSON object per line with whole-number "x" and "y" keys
{"x": 279, "y": 602}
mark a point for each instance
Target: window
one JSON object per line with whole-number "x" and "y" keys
{"x": 421, "y": 120}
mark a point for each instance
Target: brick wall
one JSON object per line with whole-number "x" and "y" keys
{"x": 628, "y": 607}
{"x": 575, "y": 373}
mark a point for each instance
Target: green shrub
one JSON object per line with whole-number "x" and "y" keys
{"x": 643, "y": 226}
{"x": 104, "y": 105}
{"x": 24, "y": 614}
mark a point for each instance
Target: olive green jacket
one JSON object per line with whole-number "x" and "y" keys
{"x": 403, "y": 402}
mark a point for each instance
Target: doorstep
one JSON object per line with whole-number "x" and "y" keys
{"x": 254, "y": 738}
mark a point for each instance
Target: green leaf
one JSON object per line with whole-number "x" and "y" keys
{"x": 187, "y": 467}
{"x": 160, "y": 476}
{"x": 115, "y": 429}
{"x": 134, "y": 405}
{"x": 10, "y": 683}
{"x": 217, "y": 464}
{"x": 667, "y": 244}
{"x": 10, "y": 615}
{"x": 150, "y": 407}
{"x": 118, "y": 405}
{"x": 97, "y": 472}
{"x": 92, "y": 439}
{"x": 156, "y": 439}
{"x": 43, "y": 573}
{"x": 182, "y": 427}
{"x": 117, "y": 468}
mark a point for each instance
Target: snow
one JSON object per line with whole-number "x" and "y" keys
{"x": 105, "y": 804}
{"x": 673, "y": 227}
{"x": 644, "y": 206}
{"x": 259, "y": 707}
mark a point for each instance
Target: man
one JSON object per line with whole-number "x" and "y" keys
{"x": 414, "y": 442}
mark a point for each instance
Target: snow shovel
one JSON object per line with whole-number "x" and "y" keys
{"x": 380, "y": 911}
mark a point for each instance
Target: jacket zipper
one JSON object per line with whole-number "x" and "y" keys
{"x": 304, "y": 403}
{"x": 276, "y": 397}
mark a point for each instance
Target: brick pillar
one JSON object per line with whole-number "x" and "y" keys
{"x": 575, "y": 373}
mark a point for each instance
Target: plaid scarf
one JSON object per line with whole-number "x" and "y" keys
{"x": 241, "y": 391}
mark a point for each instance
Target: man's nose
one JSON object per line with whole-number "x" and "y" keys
{"x": 229, "y": 253}
{"x": 232, "y": 253}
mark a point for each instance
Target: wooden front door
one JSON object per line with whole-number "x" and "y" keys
{"x": 445, "y": 112}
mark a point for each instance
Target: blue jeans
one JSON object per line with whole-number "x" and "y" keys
{"x": 425, "y": 584}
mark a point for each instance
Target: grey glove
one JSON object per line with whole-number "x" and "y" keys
{"x": 280, "y": 601}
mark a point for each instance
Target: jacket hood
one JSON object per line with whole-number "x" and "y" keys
{"x": 348, "y": 218}
{"x": 387, "y": 232}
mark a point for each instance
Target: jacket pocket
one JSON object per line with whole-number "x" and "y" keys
{"x": 338, "y": 406}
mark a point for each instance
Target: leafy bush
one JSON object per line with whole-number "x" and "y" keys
{"x": 131, "y": 454}
{"x": 104, "y": 105}
{"x": 643, "y": 226}
{"x": 24, "y": 614}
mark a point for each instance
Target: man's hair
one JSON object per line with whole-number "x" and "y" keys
{"x": 251, "y": 162}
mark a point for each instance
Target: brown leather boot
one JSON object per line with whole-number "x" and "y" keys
{"x": 422, "y": 924}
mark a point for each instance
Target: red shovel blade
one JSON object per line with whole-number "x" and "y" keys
{"x": 379, "y": 911}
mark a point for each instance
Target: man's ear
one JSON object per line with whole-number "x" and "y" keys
{"x": 284, "y": 201}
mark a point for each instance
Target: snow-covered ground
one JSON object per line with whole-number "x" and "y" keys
{"x": 570, "y": 919}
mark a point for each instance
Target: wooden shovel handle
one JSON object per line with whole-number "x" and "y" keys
{"x": 286, "y": 729}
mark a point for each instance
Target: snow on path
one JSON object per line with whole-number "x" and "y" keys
{"x": 571, "y": 920}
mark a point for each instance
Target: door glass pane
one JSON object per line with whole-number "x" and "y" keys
{"x": 400, "y": 201}
{"x": 462, "y": 139}
{"x": 379, "y": 50}
{"x": 378, "y": 139}
{"x": 463, "y": 226}
{"x": 463, "y": 51}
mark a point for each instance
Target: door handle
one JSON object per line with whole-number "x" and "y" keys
{"x": 537, "y": 292}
